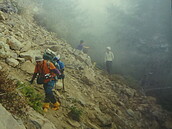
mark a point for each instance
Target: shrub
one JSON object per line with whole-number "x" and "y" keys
{"x": 75, "y": 113}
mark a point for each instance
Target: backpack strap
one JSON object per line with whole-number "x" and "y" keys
{"x": 48, "y": 64}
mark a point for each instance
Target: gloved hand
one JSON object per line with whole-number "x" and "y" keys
{"x": 61, "y": 76}
{"x": 31, "y": 81}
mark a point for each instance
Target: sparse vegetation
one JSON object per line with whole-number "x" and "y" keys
{"x": 10, "y": 98}
{"x": 34, "y": 98}
{"x": 75, "y": 113}
{"x": 14, "y": 101}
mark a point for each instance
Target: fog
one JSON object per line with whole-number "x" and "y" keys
{"x": 97, "y": 15}
{"x": 138, "y": 31}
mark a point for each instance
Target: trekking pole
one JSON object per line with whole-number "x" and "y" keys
{"x": 63, "y": 84}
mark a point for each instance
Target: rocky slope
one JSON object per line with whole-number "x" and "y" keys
{"x": 105, "y": 104}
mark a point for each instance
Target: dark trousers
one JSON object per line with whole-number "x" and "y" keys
{"x": 49, "y": 96}
{"x": 109, "y": 66}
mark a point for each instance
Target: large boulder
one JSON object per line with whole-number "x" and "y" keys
{"x": 39, "y": 121}
{"x": 30, "y": 55}
{"x": 129, "y": 92}
{"x": 105, "y": 120}
{"x": 28, "y": 67}
{"x": 82, "y": 57}
{"x": 88, "y": 76}
{"x": 14, "y": 43}
{"x": 7, "y": 121}
{"x": 13, "y": 55}
{"x": 88, "y": 61}
{"x": 26, "y": 47}
{"x": 12, "y": 62}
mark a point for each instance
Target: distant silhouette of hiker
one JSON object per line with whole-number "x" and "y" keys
{"x": 109, "y": 56}
{"x": 81, "y": 47}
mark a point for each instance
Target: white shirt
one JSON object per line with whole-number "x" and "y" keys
{"x": 109, "y": 56}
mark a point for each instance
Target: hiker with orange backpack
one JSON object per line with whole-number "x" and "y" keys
{"x": 47, "y": 73}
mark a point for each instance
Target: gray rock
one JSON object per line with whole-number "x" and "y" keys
{"x": 28, "y": 67}
{"x": 74, "y": 123}
{"x": 40, "y": 121}
{"x": 105, "y": 119}
{"x": 7, "y": 121}
{"x": 130, "y": 112}
{"x": 130, "y": 92}
{"x": 14, "y": 43}
{"x": 21, "y": 60}
{"x": 88, "y": 76}
{"x": 14, "y": 55}
{"x": 92, "y": 125}
{"x": 12, "y": 62}
{"x": 26, "y": 47}
{"x": 2, "y": 17}
{"x": 30, "y": 55}
{"x": 4, "y": 50}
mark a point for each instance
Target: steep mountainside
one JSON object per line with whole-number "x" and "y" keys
{"x": 105, "y": 104}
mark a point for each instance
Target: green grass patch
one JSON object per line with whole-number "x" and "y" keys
{"x": 34, "y": 98}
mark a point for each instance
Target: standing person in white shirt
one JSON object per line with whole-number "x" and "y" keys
{"x": 109, "y": 56}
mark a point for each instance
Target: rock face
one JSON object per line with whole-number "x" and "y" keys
{"x": 7, "y": 121}
{"x": 39, "y": 121}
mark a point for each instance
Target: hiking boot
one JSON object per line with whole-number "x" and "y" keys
{"x": 46, "y": 106}
{"x": 56, "y": 106}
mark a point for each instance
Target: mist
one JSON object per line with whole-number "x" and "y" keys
{"x": 138, "y": 31}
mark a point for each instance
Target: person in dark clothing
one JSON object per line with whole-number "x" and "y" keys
{"x": 81, "y": 47}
